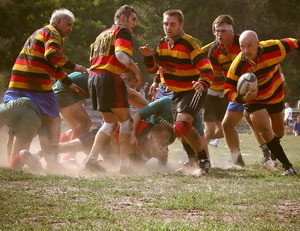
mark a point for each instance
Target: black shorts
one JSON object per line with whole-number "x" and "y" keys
{"x": 107, "y": 91}
{"x": 215, "y": 108}
{"x": 271, "y": 108}
{"x": 189, "y": 102}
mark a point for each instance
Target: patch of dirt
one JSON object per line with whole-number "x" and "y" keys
{"x": 287, "y": 209}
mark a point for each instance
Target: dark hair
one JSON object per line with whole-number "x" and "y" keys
{"x": 126, "y": 10}
{"x": 175, "y": 13}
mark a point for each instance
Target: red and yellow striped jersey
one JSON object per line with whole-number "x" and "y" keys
{"x": 266, "y": 69}
{"x": 181, "y": 64}
{"x": 221, "y": 59}
{"x": 102, "y": 57}
{"x": 40, "y": 60}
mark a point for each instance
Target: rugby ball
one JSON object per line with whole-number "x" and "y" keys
{"x": 246, "y": 81}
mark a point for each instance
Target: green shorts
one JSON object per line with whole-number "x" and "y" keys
{"x": 66, "y": 97}
{"x": 21, "y": 116}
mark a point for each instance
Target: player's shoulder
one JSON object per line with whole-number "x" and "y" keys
{"x": 190, "y": 39}
{"x": 121, "y": 29}
{"x": 52, "y": 31}
{"x": 270, "y": 42}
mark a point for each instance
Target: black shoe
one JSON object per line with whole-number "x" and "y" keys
{"x": 93, "y": 166}
{"x": 265, "y": 160}
{"x": 240, "y": 161}
{"x": 30, "y": 160}
{"x": 290, "y": 171}
{"x": 204, "y": 165}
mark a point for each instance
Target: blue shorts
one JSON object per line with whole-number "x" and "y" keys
{"x": 235, "y": 107}
{"x": 46, "y": 102}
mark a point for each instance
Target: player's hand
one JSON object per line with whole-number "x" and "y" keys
{"x": 153, "y": 88}
{"x": 79, "y": 91}
{"x": 198, "y": 86}
{"x": 146, "y": 50}
{"x": 250, "y": 95}
{"x": 80, "y": 68}
{"x": 139, "y": 78}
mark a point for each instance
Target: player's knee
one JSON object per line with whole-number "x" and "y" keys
{"x": 182, "y": 128}
{"x": 126, "y": 126}
{"x": 108, "y": 128}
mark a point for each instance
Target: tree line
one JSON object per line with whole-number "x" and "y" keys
{"x": 271, "y": 19}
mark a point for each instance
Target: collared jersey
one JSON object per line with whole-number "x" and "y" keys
{"x": 40, "y": 60}
{"x": 102, "y": 57}
{"x": 266, "y": 69}
{"x": 221, "y": 59}
{"x": 181, "y": 64}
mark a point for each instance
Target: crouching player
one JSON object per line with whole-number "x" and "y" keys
{"x": 23, "y": 117}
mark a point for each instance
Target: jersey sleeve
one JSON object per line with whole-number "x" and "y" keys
{"x": 230, "y": 89}
{"x": 123, "y": 41}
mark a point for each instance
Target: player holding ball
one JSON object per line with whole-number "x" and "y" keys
{"x": 264, "y": 103}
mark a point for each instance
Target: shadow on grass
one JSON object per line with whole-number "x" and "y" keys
{"x": 238, "y": 173}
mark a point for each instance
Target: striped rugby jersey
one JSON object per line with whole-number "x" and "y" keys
{"x": 102, "y": 57}
{"x": 40, "y": 60}
{"x": 270, "y": 87}
{"x": 181, "y": 64}
{"x": 221, "y": 60}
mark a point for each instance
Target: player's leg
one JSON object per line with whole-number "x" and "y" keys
{"x": 125, "y": 123}
{"x": 185, "y": 107}
{"x": 261, "y": 120}
{"x": 262, "y": 144}
{"x": 20, "y": 142}
{"x": 232, "y": 117}
{"x": 77, "y": 118}
{"x": 277, "y": 124}
{"x": 102, "y": 137}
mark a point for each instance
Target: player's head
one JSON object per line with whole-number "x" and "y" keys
{"x": 126, "y": 16}
{"x": 249, "y": 44}
{"x": 222, "y": 28}
{"x": 63, "y": 20}
{"x": 286, "y": 104}
{"x": 173, "y": 23}
{"x": 129, "y": 78}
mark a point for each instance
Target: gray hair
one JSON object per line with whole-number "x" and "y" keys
{"x": 61, "y": 14}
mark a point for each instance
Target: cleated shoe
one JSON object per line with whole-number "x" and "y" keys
{"x": 93, "y": 166}
{"x": 30, "y": 160}
{"x": 239, "y": 161}
{"x": 269, "y": 165}
{"x": 290, "y": 171}
{"x": 188, "y": 168}
{"x": 265, "y": 160}
{"x": 204, "y": 165}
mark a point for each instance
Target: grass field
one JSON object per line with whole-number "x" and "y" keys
{"x": 226, "y": 199}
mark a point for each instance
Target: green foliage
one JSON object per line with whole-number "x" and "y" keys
{"x": 270, "y": 18}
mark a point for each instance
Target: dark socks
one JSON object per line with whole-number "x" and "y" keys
{"x": 190, "y": 151}
{"x": 277, "y": 150}
{"x": 202, "y": 155}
